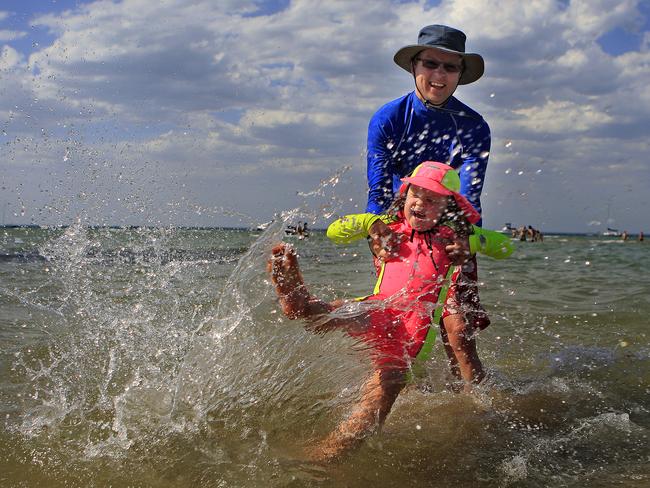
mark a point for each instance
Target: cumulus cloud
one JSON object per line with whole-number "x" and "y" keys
{"x": 9, "y": 58}
{"x": 561, "y": 117}
{"x": 204, "y": 92}
{"x": 10, "y": 35}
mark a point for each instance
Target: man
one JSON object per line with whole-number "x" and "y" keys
{"x": 430, "y": 124}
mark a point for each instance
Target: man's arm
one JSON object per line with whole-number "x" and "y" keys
{"x": 380, "y": 167}
{"x": 472, "y": 162}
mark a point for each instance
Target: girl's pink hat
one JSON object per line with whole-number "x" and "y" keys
{"x": 442, "y": 179}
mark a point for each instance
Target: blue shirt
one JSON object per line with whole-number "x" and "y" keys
{"x": 404, "y": 133}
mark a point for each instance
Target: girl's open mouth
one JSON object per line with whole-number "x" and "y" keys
{"x": 417, "y": 214}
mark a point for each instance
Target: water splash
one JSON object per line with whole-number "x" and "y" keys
{"x": 141, "y": 351}
{"x": 140, "y": 364}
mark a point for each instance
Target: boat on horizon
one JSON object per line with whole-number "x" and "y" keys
{"x": 611, "y": 233}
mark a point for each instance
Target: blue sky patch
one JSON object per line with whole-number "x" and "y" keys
{"x": 620, "y": 41}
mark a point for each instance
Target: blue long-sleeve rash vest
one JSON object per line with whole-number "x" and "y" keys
{"x": 404, "y": 133}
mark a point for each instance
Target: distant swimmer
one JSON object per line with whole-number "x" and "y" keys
{"x": 529, "y": 234}
{"x": 521, "y": 232}
{"x": 300, "y": 230}
{"x": 414, "y": 292}
{"x": 535, "y": 235}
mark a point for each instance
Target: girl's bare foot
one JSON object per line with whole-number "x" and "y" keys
{"x": 289, "y": 285}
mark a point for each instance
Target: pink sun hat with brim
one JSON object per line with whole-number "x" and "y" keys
{"x": 442, "y": 179}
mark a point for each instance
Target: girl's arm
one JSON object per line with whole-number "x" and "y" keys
{"x": 357, "y": 226}
{"x": 382, "y": 240}
{"x": 351, "y": 228}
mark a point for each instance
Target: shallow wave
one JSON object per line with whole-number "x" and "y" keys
{"x": 181, "y": 371}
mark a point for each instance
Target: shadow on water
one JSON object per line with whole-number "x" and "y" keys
{"x": 131, "y": 369}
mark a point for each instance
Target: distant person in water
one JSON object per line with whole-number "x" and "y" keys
{"x": 530, "y": 233}
{"x": 624, "y": 236}
{"x": 521, "y": 232}
{"x": 641, "y": 236}
{"x": 534, "y": 235}
{"x": 302, "y": 230}
{"x": 428, "y": 215}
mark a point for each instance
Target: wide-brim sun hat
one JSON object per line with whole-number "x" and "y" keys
{"x": 446, "y": 39}
{"x": 442, "y": 179}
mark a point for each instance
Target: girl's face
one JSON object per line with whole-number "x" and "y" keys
{"x": 423, "y": 208}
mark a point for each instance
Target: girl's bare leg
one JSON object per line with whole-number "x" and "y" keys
{"x": 460, "y": 346}
{"x": 294, "y": 297}
{"x": 378, "y": 393}
{"x": 377, "y": 397}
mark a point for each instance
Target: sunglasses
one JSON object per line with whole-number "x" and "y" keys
{"x": 433, "y": 65}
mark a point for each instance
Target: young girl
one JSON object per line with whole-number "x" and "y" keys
{"x": 429, "y": 214}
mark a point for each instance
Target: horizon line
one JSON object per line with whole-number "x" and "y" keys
{"x": 221, "y": 227}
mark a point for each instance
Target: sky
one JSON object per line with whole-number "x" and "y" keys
{"x": 228, "y": 112}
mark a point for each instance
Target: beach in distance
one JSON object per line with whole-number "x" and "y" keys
{"x": 145, "y": 356}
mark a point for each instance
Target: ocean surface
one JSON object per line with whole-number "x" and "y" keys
{"x": 151, "y": 357}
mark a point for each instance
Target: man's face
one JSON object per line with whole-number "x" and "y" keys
{"x": 436, "y": 74}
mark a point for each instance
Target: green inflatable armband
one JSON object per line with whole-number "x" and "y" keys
{"x": 491, "y": 243}
{"x": 351, "y": 227}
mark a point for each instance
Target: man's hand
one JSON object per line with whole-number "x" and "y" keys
{"x": 384, "y": 243}
{"x": 458, "y": 250}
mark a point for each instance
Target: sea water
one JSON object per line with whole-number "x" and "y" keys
{"x": 159, "y": 357}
